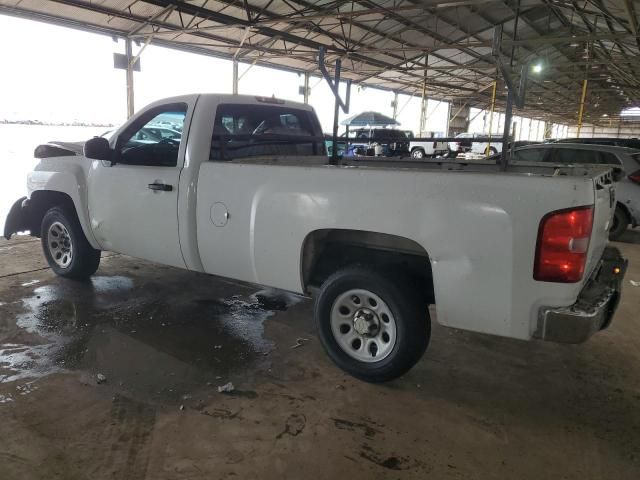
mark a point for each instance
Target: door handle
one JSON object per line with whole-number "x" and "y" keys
{"x": 160, "y": 187}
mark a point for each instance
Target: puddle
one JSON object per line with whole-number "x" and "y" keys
{"x": 5, "y": 399}
{"x": 27, "y": 388}
{"x": 158, "y": 340}
{"x": 19, "y": 362}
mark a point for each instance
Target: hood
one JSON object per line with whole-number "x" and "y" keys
{"x": 58, "y": 149}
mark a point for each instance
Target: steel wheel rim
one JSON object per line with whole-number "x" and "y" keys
{"x": 417, "y": 154}
{"x": 363, "y": 339}
{"x": 59, "y": 244}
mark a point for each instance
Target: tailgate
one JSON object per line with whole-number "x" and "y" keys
{"x": 604, "y": 206}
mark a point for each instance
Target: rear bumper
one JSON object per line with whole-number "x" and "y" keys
{"x": 594, "y": 307}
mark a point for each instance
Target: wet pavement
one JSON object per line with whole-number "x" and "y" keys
{"x": 163, "y": 340}
{"x": 159, "y": 339}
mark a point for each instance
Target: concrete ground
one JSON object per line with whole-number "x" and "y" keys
{"x": 475, "y": 407}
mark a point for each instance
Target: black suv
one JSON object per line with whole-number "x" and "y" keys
{"x": 394, "y": 142}
{"x": 615, "y": 142}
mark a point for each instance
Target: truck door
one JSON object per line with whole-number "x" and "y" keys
{"x": 133, "y": 202}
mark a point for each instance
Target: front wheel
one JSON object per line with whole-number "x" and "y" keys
{"x": 373, "y": 327}
{"x": 66, "y": 249}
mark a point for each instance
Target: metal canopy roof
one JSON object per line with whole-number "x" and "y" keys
{"x": 396, "y": 44}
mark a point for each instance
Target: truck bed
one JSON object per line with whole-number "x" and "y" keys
{"x": 439, "y": 165}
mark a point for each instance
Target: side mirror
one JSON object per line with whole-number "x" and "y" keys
{"x": 98, "y": 148}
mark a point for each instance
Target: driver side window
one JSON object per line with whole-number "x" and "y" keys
{"x": 154, "y": 139}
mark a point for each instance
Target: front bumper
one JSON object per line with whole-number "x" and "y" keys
{"x": 18, "y": 218}
{"x": 594, "y": 308}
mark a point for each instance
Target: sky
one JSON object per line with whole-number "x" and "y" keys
{"x": 56, "y": 74}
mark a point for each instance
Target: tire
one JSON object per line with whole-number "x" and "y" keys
{"x": 418, "y": 153}
{"x": 397, "y": 309}
{"x": 65, "y": 247}
{"x": 620, "y": 223}
{"x": 452, "y": 154}
{"x": 490, "y": 151}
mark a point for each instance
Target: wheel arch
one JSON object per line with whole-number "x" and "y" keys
{"x": 625, "y": 209}
{"x": 32, "y": 210}
{"x": 326, "y": 250}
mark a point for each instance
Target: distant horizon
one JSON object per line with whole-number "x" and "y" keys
{"x": 76, "y": 123}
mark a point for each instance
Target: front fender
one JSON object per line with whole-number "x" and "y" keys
{"x": 67, "y": 176}
{"x": 18, "y": 219}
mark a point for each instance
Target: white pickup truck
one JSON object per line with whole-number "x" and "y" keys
{"x": 247, "y": 192}
{"x": 480, "y": 144}
{"x": 431, "y": 148}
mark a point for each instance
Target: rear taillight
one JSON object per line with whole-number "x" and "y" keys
{"x": 635, "y": 177}
{"x": 563, "y": 241}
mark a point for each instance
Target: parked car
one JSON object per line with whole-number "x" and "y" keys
{"x": 156, "y": 134}
{"x": 247, "y": 193}
{"x": 481, "y": 144}
{"x": 612, "y": 141}
{"x": 627, "y": 210}
{"x": 342, "y": 145}
{"x": 421, "y": 149}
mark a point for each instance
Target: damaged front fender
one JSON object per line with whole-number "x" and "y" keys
{"x": 19, "y": 218}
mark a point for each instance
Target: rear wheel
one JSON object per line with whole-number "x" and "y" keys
{"x": 372, "y": 326}
{"x": 620, "y": 223}
{"x": 65, "y": 247}
{"x": 490, "y": 151}
{"x": 417, "y": 153}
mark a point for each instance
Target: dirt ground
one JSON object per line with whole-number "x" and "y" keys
{"x": 475, "y": 407}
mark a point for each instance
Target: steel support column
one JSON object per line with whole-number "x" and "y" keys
{"x": 581, "y": 111}
{"x": 130, "y": 91}
{"x": 336, "y": 113}
{"x": 508, "y": 111}
{"x": 423, "y": 102}
{"x": 306, "y": 88}
{"x": 234, "y": 87}
{"x": 395, "y": 105}
{"x": 493, "y": 106}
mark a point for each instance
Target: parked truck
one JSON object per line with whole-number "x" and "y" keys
{"x": 430, "y": 148}
{"x": 480, "y": 144}
{"x": 247, "y": 192}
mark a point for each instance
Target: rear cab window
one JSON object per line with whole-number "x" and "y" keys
{"x": 530, "y": 155}
{"x": 389, "y": 135}
{"x": 249, "y": 130}
{"x": 610, "y": 158}
{"x": 569, "y": 156}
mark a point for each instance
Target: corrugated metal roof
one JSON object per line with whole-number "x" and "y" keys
{"x": 390, "y": 44}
